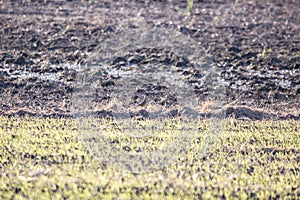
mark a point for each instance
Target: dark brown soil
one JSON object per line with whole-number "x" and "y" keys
{"x": 256, "y": 43}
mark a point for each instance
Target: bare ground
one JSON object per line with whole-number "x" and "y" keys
{"x": 256, "y": 43}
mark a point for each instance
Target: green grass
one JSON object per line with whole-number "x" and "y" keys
{"x": 190, "y": 6}
{"x": 45, "y": 159}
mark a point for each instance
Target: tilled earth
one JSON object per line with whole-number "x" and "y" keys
{"x": 256, "y": 45}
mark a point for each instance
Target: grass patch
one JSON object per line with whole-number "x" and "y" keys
{"x": 45, "y": 158}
